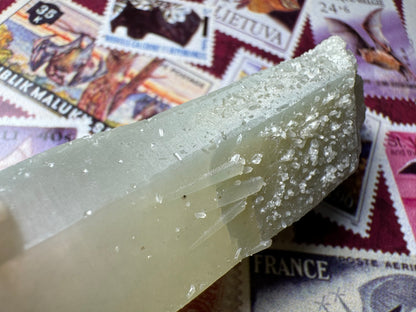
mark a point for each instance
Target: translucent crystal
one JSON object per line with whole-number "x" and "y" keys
{"x": 214, "y": 180}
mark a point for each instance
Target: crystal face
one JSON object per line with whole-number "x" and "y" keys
{"x": 146, "y": 216}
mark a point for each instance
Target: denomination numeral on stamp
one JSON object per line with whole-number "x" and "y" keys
{"x": 43, "y": 12}
{"x": 327, "y": 8}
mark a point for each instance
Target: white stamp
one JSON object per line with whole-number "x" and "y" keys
{"x": 162, "y": 28}
{"x": 273, "y": 26}
{"x": 244, "y": 64}
{"x": 399, "y": 150}
{"x": 374, "y": 32}
{"x": 351, "y": 203}
{"x": 314, "y": 279}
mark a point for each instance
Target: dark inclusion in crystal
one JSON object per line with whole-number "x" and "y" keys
{"x": 141, "y": 22}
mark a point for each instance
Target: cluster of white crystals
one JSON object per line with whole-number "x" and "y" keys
{"x": 146, "y": 216}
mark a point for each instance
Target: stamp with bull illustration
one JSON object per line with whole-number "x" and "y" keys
{"x": 163, "y": 28}
{"x": 56, "y": 63}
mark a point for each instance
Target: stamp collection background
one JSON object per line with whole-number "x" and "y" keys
{"x": 389, "y": 220}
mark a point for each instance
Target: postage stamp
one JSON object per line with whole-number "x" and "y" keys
{"x": 55, "y": 62}
{"x": 273, "y": 26}
{"x": 21, "y": 138}
{"x": 172, "y": 29}
{"x": 244, "y": 64}
{"x": 313, "y": 279}
{"x": 374, "y": 32}
{"x": 20, "y": 102}
{"x": 351, "y": 203}
{"x": 400, "y": 171}
{"x": 409, "y": 7}
{"x": 9, "y": 109}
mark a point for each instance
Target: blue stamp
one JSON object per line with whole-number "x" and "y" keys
{"x": 331, "y": 280}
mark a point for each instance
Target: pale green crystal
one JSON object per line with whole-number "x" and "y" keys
{"x": 146, "y": 216}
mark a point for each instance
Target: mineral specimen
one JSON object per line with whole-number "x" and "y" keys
{"x": 146, "y": 216}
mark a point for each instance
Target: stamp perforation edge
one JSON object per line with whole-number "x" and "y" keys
{"x": 18, "y": 4}
{"x": 211, "y": 34}
{"x": 409, "y": 7}
{"x": 25, "y": 103}
{"x": 337, "y": 250}
{"x": 211, "y": 82}
{"x": 292, "y": 44}
{"x": 394, "y": 193}
{"x": 82, "y": 128}
{"x": 376, "y": 91}
{"x": 352, "y": 280}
